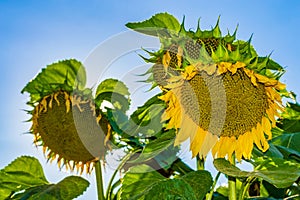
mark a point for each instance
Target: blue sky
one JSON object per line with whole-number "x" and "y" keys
{"x": 36, "y": 33}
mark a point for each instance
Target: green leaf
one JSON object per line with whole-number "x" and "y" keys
{"x": 22, "y": 173}
{"x": 288, "y": 143}
{"x": 146, "y": 120}
{"x": 112, "y": 86}
{"x": 290, "y": 121}
{"x": 157, "y": 146}
{"x": 143, "y": 183}
{"x": 67, "y": 75}
{"x": 278, "y": 193}
{"x": 24, "y": 179}
{"x": 137, "y": 180}
{"x": 180, "y": 167}
{"x": 200, "y": 182}
{"x": 277, "y": 171}
{"x": 115, "y": 92}
{"x": 273, "y": 152}
{"x": 159, "y": 24}
{"x": 290, "y": 125}
{"x": 69, "y": 188}
{"x": 170, "y": 189}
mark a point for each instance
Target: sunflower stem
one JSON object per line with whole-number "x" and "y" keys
{"x": 232, "y": 183}
{"x": 242, "y": 191}
{"x": 211, "y": 193}
{"x": 124, "y": 160}
{"x": 200, "y": 163}
{"x": 99, "y": 180}
{"x": 244, "y": 188}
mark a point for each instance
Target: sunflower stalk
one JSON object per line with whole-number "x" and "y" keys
{"x": 232, "y": 182}
{"x": 99, "y": 180}
{"x": 211, "y": 193}
{"x": 245, "y": 186}
{"x": 110, "y": 184}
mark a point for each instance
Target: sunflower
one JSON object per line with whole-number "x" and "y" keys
{"x": 219, "y": 93}
{"x": 65, "y": 120}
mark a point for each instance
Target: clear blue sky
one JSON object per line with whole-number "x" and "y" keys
{"x": 36, "y": 33}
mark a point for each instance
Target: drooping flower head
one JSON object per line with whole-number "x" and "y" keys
{"x": 219, "y": 93}
{"x": 65, "y": 120}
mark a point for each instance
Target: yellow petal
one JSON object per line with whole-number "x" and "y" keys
{"x": 197, "y": 141}
{"x": 251, "y": 75}
{"x": 248, "y": 145}
{"x": 221, "y": 69}
{"x": 215, "y": 149}
{"x": 166, "y": 59}
{"x": 239, "y": 149}
{"x": 189, "y": 72}
{"x": 179, "y": 56}
{"x": 267, "y": 127}
{"x": 188, "y": 128}
{"x": 209, "y": 141}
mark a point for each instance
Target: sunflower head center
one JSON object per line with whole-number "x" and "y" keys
{"x": 68, "y": 125}
{"x": 245, "y": 105}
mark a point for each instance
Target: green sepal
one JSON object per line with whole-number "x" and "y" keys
{"x": 198, "y": 32}
{"x": 231, "y": 38}
{"x": 182, "y": 31}
{"x": 216, "y": 32}
{"x": 236, "y": 55}
{"x": 221, "y": 54}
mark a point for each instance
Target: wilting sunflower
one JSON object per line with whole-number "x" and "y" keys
{"x": 219, "y": 93}
{"x": 65, "y": 120}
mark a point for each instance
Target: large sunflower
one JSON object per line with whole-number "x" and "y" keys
{"x": 219, "y": 93}
{"x": 65, "y": 120}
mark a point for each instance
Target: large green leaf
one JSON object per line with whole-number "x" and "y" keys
{"x": 290, "y": 121}
{"x": 273, "y": 152}
{"x": 112, "y": 86}
{"x": 170, "y": 189}
{"x": 67, "y": 75}
{"x": 143, "y": 183}
{"x": 69, "y": 188}
{"x": 290, "y": 125}
{"x": 138, "y": 180}
{"x": 200, "y": 182}
{"x": 24, "y": 179}
{"x": 146, "y": 120}
{"x": 157, "y": 146}
{"x": 158, "y": 25}
{"x": 22, "y": 173}
{"x": 115, "y": 92}
{"x": 288, "y": 144}
{"x": 277, "y": 171}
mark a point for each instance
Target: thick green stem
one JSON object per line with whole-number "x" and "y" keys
{"x": 99, "y": 180}
{"x": 200, "y": 163}
{"x": 243, "y": 191}
{"x": 211, "y": 193}
{"x": 232, "y": 183}
{"x": 244, "y": 188}
{"x": 124, "y": 160}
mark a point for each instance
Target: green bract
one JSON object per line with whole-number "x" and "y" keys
{"x": 204, "y": 46}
